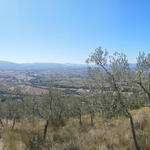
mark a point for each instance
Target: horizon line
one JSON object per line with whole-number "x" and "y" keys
{"x": 49, "y": 62}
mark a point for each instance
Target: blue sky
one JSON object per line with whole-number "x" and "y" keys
{"x": 67, "y": 31}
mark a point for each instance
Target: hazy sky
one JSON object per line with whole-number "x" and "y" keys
{"x": 67, "y": 31}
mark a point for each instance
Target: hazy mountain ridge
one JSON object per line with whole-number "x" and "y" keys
{"x": 5, "y": 65}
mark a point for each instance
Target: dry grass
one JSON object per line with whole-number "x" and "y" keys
{"x": 114, "y": 135}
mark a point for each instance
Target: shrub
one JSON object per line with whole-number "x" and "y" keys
{"x": 61, "y": 138}
{"x": 35, "y": 141}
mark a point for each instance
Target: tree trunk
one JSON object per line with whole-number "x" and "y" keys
{"x": 80, "y": 119}
{"x": 14, "y": 122}
{"x": 60, "y": 114}
{"x": 1, "y": 122}
{"x": 149, "y": 98}
{"x": 45, "y": 129}
{"x": 133, "y": 131}
{"x": 92, "y": 116}
{"x": 7, "y": 121}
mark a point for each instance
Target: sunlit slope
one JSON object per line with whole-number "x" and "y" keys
{"x": 113, "y": 135}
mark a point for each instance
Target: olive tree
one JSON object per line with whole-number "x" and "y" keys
{"x": 110, "y": 72}
{"x": 10, "y": 111}
{"x": 143, "y": 73}
{"x": 30, "y": 104}
{"x": 96, "y": 91}
{"x": 51, "y": 109}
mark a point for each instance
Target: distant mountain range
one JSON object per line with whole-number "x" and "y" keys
{"x": 4, "y": 65}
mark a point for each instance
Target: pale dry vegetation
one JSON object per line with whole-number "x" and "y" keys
{"x": 113, "y": 135}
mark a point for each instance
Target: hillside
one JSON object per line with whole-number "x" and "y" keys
{"x": 115, "y": 135}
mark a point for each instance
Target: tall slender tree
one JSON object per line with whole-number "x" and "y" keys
{"x": 115, "y": 72}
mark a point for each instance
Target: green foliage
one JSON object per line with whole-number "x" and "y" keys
{"x": 136, "y": 105}
{"x": 61, "y": 138}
